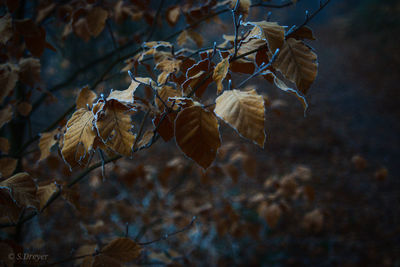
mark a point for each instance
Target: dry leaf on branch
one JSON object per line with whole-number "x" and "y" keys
{"x": 78, "y": 138}
{"x": 244, "y": 111}
{"x": 46, "y": 142}
{"x": 197, "y": 134}
{"x": 271, "y": 32}
{"x": 127, "y": 96}
{"x": 85, "y": 98}
{"x": 298, "y": 63}
{"x": 22, "y": 189}
{"x": 114, "y": 125}
{"x": 220, "y": 72}
{"x": 45, "y": 192}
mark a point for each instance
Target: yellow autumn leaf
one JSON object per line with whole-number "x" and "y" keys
{"x": 271, "y": 32}
{"x": 197, "y": 134}
{"x": 114, "y": 127}
{"x": 167, "y": 66}
{"x": 298, "y": 63}
{"x": 22, "y": 189}
{"x": 126, "y": 96}
{"x": 79, "y": 137}
{"x": 46, "y": 142}
{"x": 220, "y": 72}
{"x": 85, "y": 98}
{"x": 244, "y": 111}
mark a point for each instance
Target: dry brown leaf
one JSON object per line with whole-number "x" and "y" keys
{"x": 172, "y": 15}
{"x": 23, "y": 189}
{"x": 122, "y": 249}
{"x": 127, "y": 96}
{"x": 5, "y": 115}
{"x": 24, "y": 108}
{"x": 283, "y": 86}
{"x": 271, "y": 32}
{"x": 220, "y": 72}
{"x": 4, "y": 145}
{"x": 164, "y": 93}
{"x": 85, "y": 98}
{"x": 298, "y": 63}
{"x": 302, "y": 33}
{"x": 197, "y": 134}
{"x": 244, "y": 111}
{"x": 146, "y": 138}
{"x": 46, "y": 142}
{"x": 168, "y": 65}
{"x": 8, "y": 79}
{"x": 6, "y": 30}
{"x": 313, "y": 221}
{"x": 165, "y": 128}
{"x": 79, "y": 137}
{"x": 7, "y": 166}
{"x": 29, "y": 72}
{"x": 114, "y": 127}
{"x": 45, "y": 192}
{"x": 96, "y": 20}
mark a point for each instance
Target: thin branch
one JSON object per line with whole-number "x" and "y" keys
{"x": 166, "y": 236}
{"x": 308, "y": 18}
{"x": 261, "y": 68}
{"x": 155, "y": 21}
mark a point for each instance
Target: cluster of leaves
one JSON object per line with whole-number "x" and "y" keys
{"x": 188, "y": 94}
{"x": 177, "y": 108}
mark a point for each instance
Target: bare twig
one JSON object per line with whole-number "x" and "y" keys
{"x": 166, "y": 236}
{"x": 155, "y": 21}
